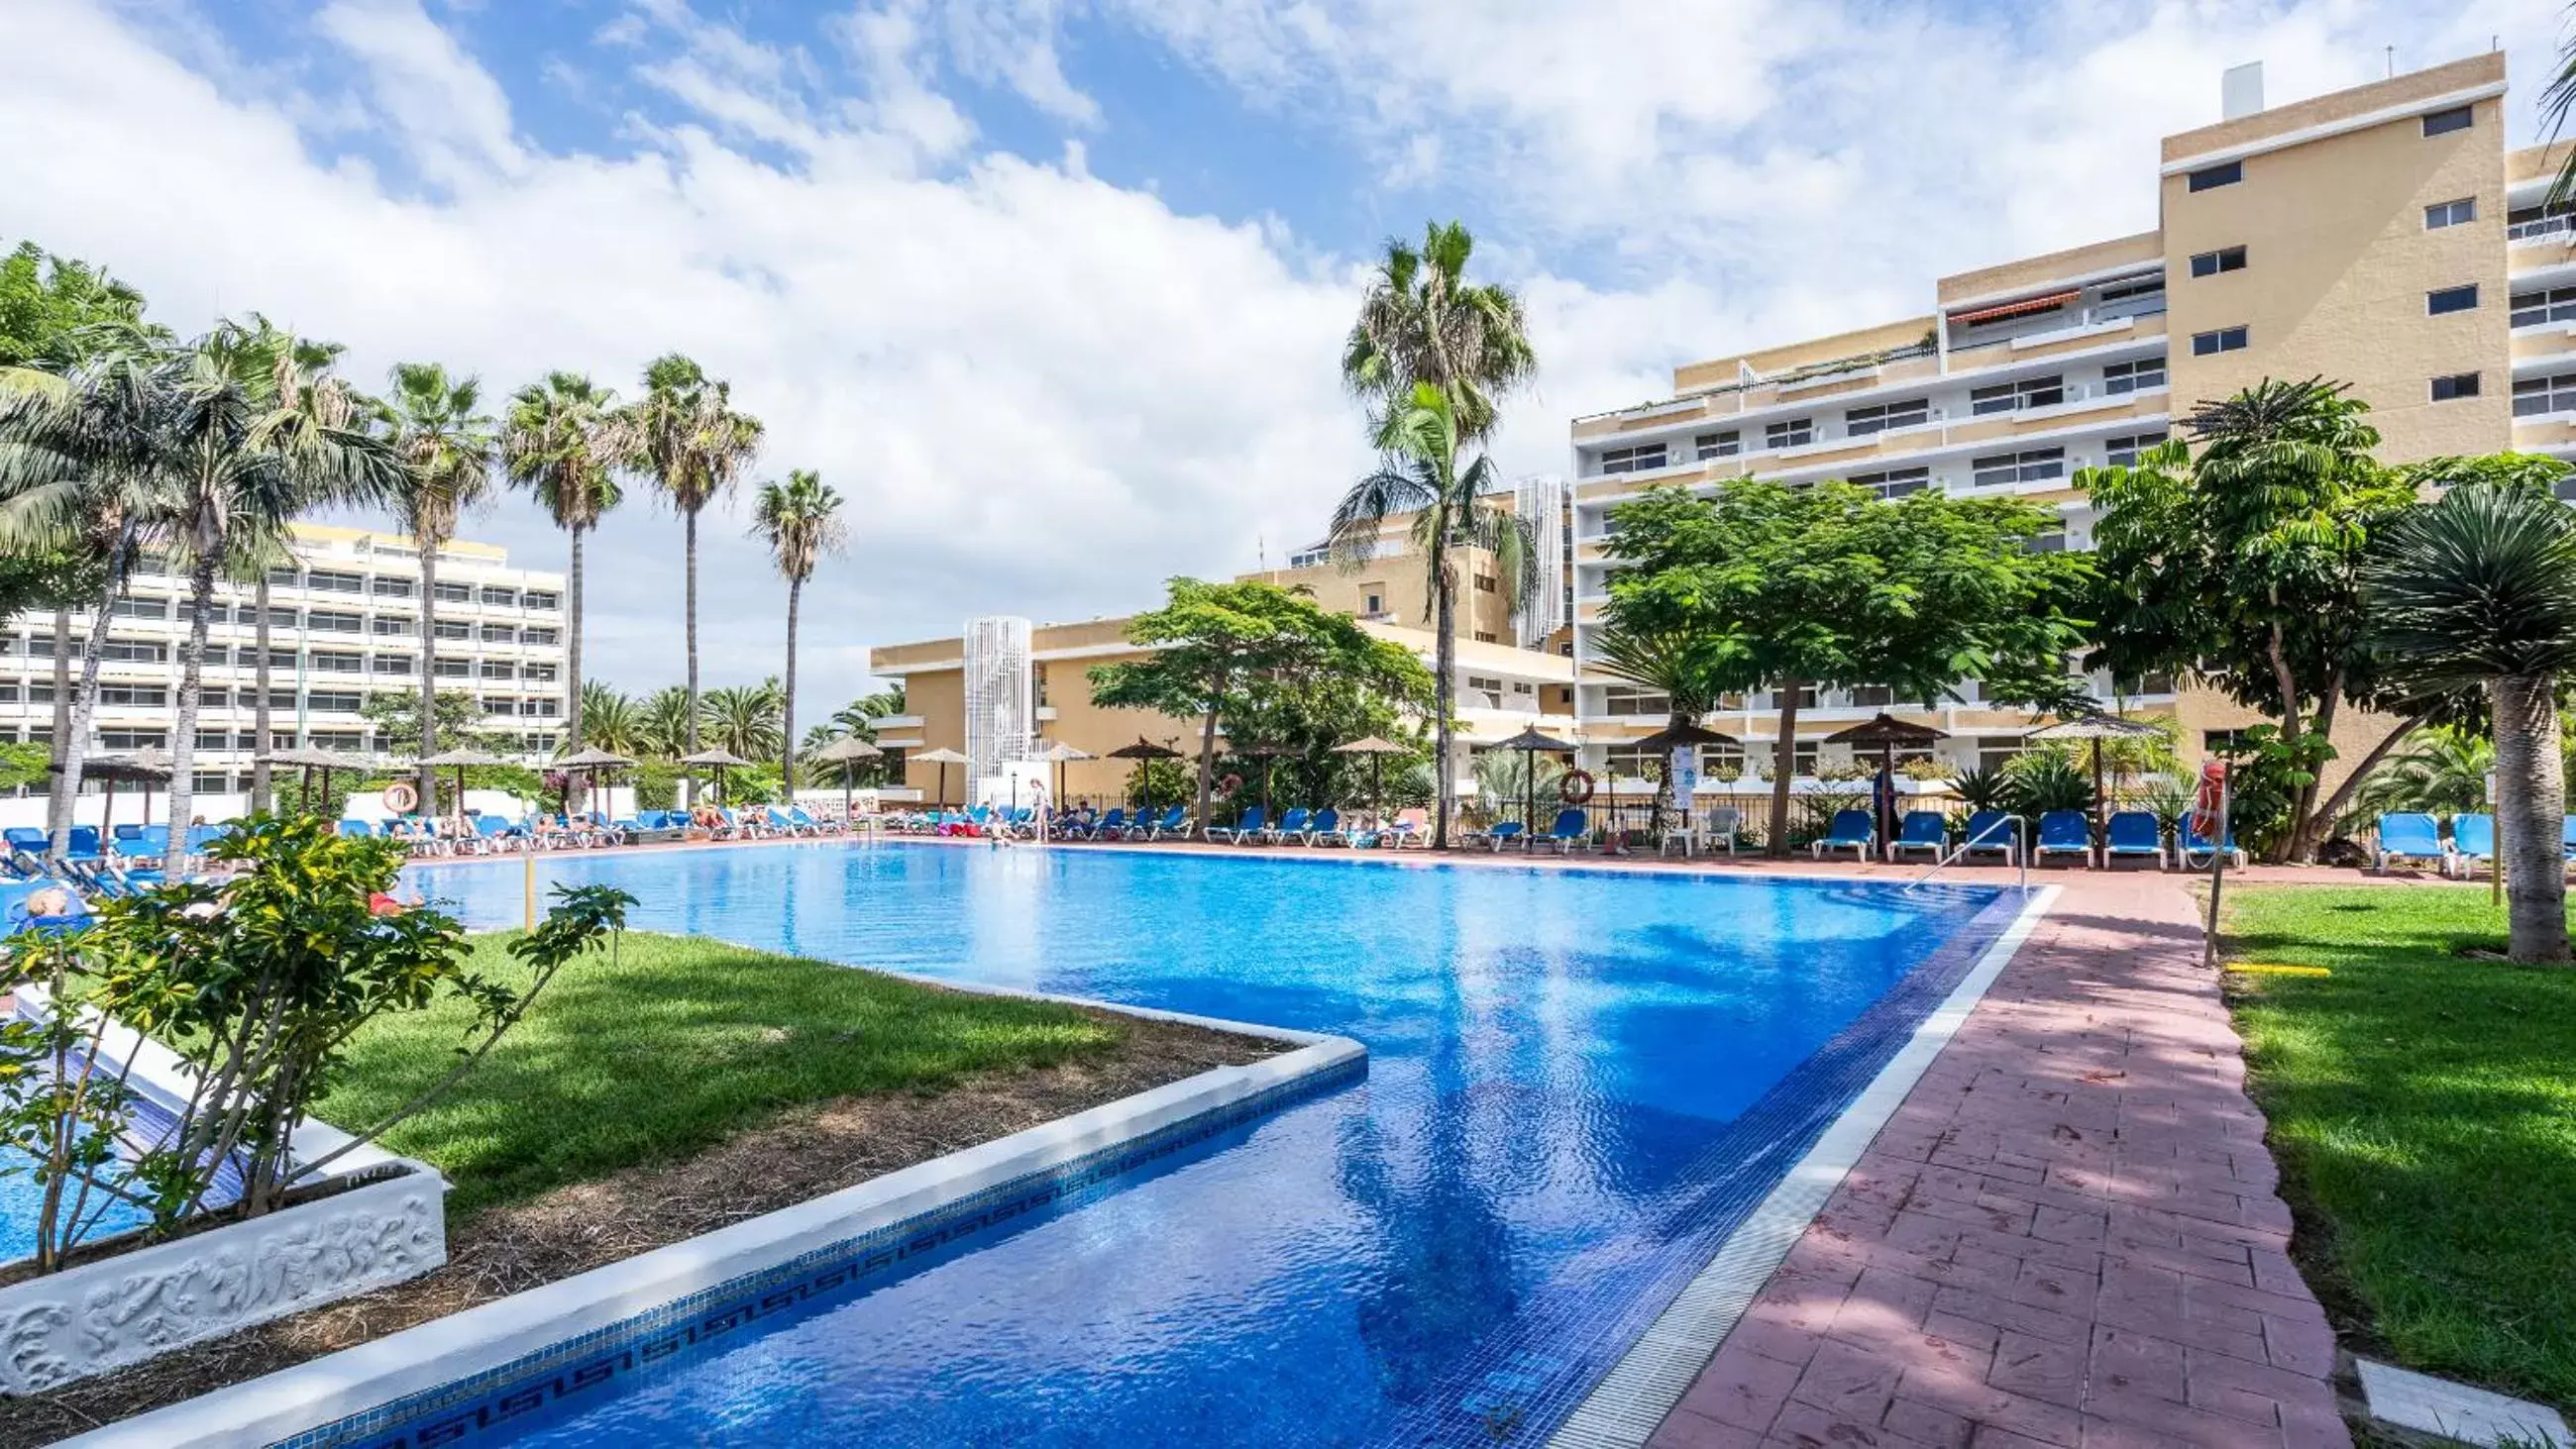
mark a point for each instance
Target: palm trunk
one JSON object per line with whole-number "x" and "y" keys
{"x": 1207, "y": 757}
{"x": 428, "y": 673}
{"x": 58, "y": 805}
{"x": 572, "y": 659}
{"x": 1784, "y": 766}
{"x": 84, "y": 709}
{"x": 689, "y": 626}
{"x": 259, "y": 705}
{"x": 2334, "y": 803}
{"x": 2531, "y": 801}
{"x": 787, "y": 747}
{"x": 192, "y": 673}
{"x": 1445, "y": 654}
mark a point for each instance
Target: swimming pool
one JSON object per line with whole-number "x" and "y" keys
{"x": 1578, "y": 1084}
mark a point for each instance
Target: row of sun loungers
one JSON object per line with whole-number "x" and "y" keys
{"x": 1991, "y": 834}
{"x": 499, "y": 835}
{"x": 2409, "y": 836}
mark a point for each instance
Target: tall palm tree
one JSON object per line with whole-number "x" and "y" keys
{"x": 695, "y": 446}
{"x": 80, "y": 458}
{"x": 800, "y": 520}
{"x": 1422, "y": 321}
{"x": 2480, "y": 589}
{"x": 610, "y": 720}
{"x": 448, "y": 448}
{"x": 745, "y": 718}
{"x": 564, "y": 440}
{"x": 1424, "y": 476}
{"x": 258, "y": 433}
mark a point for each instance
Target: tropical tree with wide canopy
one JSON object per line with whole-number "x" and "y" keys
{"x": 2478, "y": 590}
{"x": 800, "y": 520}
{"x": 1426, "y": 477}
{"x": 448, "y": 447}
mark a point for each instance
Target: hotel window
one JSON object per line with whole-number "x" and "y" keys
{"x": 2451, "y": 213}
{"x": 1795, "y": 433}
{"x": 1373, "y": 603}
{"x": 537, "y": 600}
{"x": 402, "y": 664}
{"x": 2531, "y": 309}
{"x": 2455, "y": 386}
{"x": 2539, "y": 396}
{"x": 1486, "y": 584}
{"x": 545, "y": 674}
{"x": 141, "y": 608}
{"x": 2225, "y": 259}
{"x": 2036, "y": 465}
{"x": 327, "y": 662}
{"x": 135, "y": 696}
{"x": 445, "y": 668}
{"x": 134, "y": 739}
{"x": 282, "y": 578}
{"x": 39, "y": 693}
{"x": 496, "y": 669}
{"x": 2122, "y": 452}
{"x": 2051, "y": 539}
{"x": 2451, "y": 299}
{"x": 339, "y": 740}
{"x": 2143, "y": 297}
{"x": 1911, "y": 413}
{"x": 2531, "y": 221}
{"x": 1894, "y": 483}
{"x": 214, "y": 698}
{"x": 2030, "y": 392}
{"x": 1628, "y": 699}
{"x": 393, "y": 588}
{"x": 545, "y": 708}
{"x": 277, "y": 699}
{"x": 1719, "y": 445}
{"x": 329, "y": 623}
{"x": 2210, "y": 178}
{"x": 1996, "y": 751}
{"x": 392, "y": 628}
{"x": 2225, "y": 339}
{"x": 335, "y": 583}
{"x": 454, "y": 593}
{"x": 500, "y": 598}
{"x": 131, "y": 652}
{"x": 1644, "y": 458}
{"x": 1871, "y": 696}
{"x": 499, "y": 634}
{"x": 454, "y": 629}
{"x": 2443, "y": 123}
{"x": 277, "y": 618}
{"x": 2144, "y": 375}
{"x": 536, "y": 636}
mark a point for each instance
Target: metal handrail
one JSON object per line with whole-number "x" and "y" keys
{"x": 2020, "y": 852}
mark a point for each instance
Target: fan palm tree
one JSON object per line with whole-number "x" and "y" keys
{"x": 800, "y": 520}
{"x": 256, "y": 434}
{"x": 666, "y": 721}
{"x": 745, "y": 718}
{"x": 1425, "y": 477}
{"x": 79, "y": 472}
{"x": 695, "y": 446}
{"x": 1688, "y": 669}
{"x": 610, "y": 720}
{"x": 448, "y": 448}
{"x": 2480, "y": 589}
{"x": 564, "y": 440}
{"x": 2444, "y": 773}
{"x": 1422, "y": 321}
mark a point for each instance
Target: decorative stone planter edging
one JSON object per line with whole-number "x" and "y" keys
{"x": 369, "y": 1387}
{"x": 131, "y": 1306}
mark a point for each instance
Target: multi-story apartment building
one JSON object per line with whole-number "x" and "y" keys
{"x": 2381, "y": 236}
{"x": 344, "y": 623}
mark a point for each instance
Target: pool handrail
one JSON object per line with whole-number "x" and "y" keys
{"x": 1980, "y": 840}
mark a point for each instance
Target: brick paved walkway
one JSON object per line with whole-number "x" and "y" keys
{"x": 2066, "y": 1236}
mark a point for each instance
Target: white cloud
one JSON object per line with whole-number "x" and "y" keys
{"x": 437, "y": 103}
{"x": 1042, "y": 393}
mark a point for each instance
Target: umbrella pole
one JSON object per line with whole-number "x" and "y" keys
{"x": 1887, "y": 824}
{"x": 107, "y": 815}
{"x": 2101, "y": 829}
{"x": 1529, "y": 794}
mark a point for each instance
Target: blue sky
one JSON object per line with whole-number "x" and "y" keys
{"x": 1052, "y": 289}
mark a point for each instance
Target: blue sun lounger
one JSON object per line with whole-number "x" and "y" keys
{"x": 1570, "y": 830}
{"x": 2193, "y": 848}
{"x": 2409, "y": 835}
{"x": 1250, "y": 824}
{"x": 1853, "y": 831}
{"x": 1291, "y": 826}
{"x": 2472, "y": 841}
{"x": 2063, "y": 832}
{"x": 1922, "y": 830}
{"x": 1991, "y": 832}
{"x": 2135, "y": 834}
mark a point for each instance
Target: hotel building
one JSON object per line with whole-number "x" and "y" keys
{"x": 2380, "y": 236}
{"x": 344, "y": 623}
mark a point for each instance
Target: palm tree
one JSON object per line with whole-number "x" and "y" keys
{"x": 801, "y": 521}
{"x": 1687, "y": 669}
{"x": 2445, "y": 773}
{"x": 564, "y": 440}
{"x": 1423, "y": 477}
{"x": 448, "y": 449}
{"x": 667, "y": 721}
{"x": 79, "y": 471}
{"x": 695, "y": 446}
{"x": 745, "y": 718}
{"x": 610, "y": 720}
{"x": 2480, "y": 589}
{"x": 1422, "y": 321}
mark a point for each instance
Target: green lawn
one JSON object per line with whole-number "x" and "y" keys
{"x": 683, "y": 1042}
{"x": 2423, "y": 1108}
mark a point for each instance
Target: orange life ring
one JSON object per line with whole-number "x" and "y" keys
{"x": 401, "y": 798}
{"x": 1230, "y": 784}
{"x": 1575, "y": 788}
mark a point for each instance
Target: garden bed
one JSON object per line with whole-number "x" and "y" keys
{"x": 685, "y": 1088}
{"x": 2422, "y": 1101}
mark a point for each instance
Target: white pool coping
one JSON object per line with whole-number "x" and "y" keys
{"x": 1633, "y": 1399}
{"x": 432, "y": 1355}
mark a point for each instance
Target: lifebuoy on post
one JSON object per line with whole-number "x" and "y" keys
{"x": 401, "y": 798}
{"x": 1575, "y": 788}
{"x": 1229, "y": 785}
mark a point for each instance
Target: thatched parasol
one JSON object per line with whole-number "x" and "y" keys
{"x": 1529, "y": 742}
{"x": 846, "y": 751}
{"x": 146, "y": 767}
{"x": 1145, "y": 749}
{"x": 591, "y": 761}
{"x": 1377, "y": 750}
{"x": 718, "y": 759}
{"x": 2096, "y": 726}
{"x": 309, "y": 760}
{"x": 460, "y": 760}
{"x": 1885, "y": 732}
{"x": 943, "y": 758}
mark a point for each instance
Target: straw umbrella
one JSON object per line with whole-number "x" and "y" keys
{"x": 943, "y": 758}
{"x": 146, "y": 767}
{"x": 1885, "y": 732}
{"x": 1529, "y": 742}
{"x": 310, "y": 760}
{"x": 1377, "y": 750}
{"x": 1268, "y": 755}
{"x": 460, "y": 760}
{"x": 718, "y": 759}
{"x": 846, "y": 751}
{"x": 592, "y": 761}
{"x": 1682, "y": 736}
{"x": 2096, "y": 726}
{"x": 1145, "y": 749}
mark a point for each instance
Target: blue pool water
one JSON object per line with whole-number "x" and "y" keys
{"x": 1578, "y": 1083}
{"x": 22, "y": 1201}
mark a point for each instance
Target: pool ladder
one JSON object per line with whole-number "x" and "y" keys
{"x": 2015, "y": 845}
